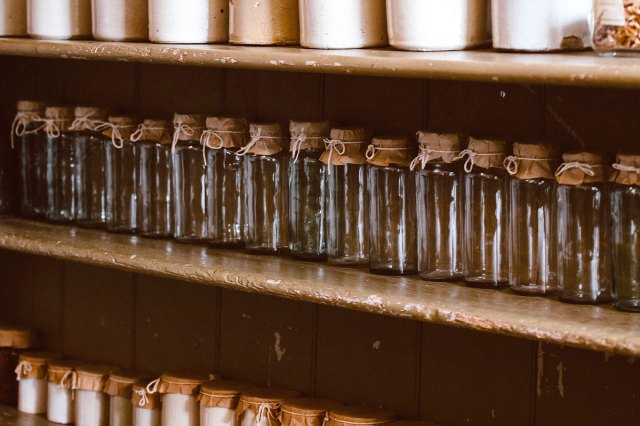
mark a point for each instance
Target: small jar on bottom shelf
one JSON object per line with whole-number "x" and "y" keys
{"x": 13, "y": 342}
{"x": 60, "y": 401}
{"x": 486, "y": 231}
{"x": 119, "y": 389}
{"x": 625, "y": 218}
{"x": 307, "y": 191}
{"x": 189, "y": 179}
{"x": 266, "y": 189}
{"x": 122, "y": 181}
{"x": 32, "y": 376}
{"x": 147, "y": 408}
{"x": 440, "y": 207}
{"x": 91, "y": 403}
{"x": 306, "y": 411}
{"x": 272, "y": 22}
{"x": 155, "y": 189}
{"x": 218, "y": 402}
{"x": 347, "y": 206}
{"x": 70, "y": 19}
{"x": 262, "y": 406}
{"x": 357, "y": 415}
{"x": 582, "y": 208}
{"x": 60, "y": 164}
{"x": 221, "y": 141}
{"x": 392, "y": 207}
{"x": 532, "y": 235}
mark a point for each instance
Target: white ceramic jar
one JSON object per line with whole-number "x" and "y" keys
{"x": 60, "y": 377}
{"x": 540, "y": 25}
{"x": 13, "y": 18}
{"x": 59, "y": 20}
{"x": 146, "y": 407}
{"x": 120, "y": 20}
{"x": 119, "y": 390}
{"x": 262, "y": 406}
{"x": 32, "y": 375}
{"x": 342, "y": 24}
{"x": 199, "y": 21}
{"x": 438, "y": 25}
{"x": 218, "y": 402}
{"x": 91, "y": 403}
{"x": 264, "y": 22}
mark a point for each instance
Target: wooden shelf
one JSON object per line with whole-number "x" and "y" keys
{"x": 9, "y": 416}
{"x": 594, "y": 327}
{"x": 572, "y": 69}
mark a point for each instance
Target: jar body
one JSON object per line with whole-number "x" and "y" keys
{"x": 347, "y": 215}
{"x": 60, "y": 406}
{"x": 90, "y": 179}
{"x": 584, "y": 265}
{"x": 180, "y": 410}
{"x": 224, "y": 197}
{"x": 392, "y": 210}
{"x": 120, "y": 411}
{"x": 120, "y": 20}
{"x": 307, "y": 207}
{"x": 440, "y": 211}
{"x": 427, "y": 25}
{"x": 8, "y": 382}
{"x": 13, "y": 18}
{"x": 267, "y": 201}
{"x": 190, "y": 192}
{"x": 91, "y": 408}
{"x": 275, "y": 22}
{"x": 146, "y": 417}
{"x": 625, "y": 220}
{"x": 33, "y": 172}
{"x": 343, "y": 24}
{"x": 155, "y": 191}
{"x": 61, "y": 204}
{"x": 121, "y": 186}
{"x": 217, "y": 416}
{"x": 204, "y": 21}
{"x": 486, "y": 228}
{"x": 614, "y": 27}
{"x": 532, "y": 251}
{"x": 70, "y": 19}
{"x": 32, "y": 395}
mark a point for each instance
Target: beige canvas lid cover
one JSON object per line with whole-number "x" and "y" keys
{"x": 385, "y": 151}
{"x": 17, "y": 337}
{"x": 626, "y": 170}
{"x": 153, "y": 130}
{"x": 92, "y": 377}
{"x": 122, "y": 127}
{"x": 25, "y": 105}
{"x": 484, "y": 153}
{"x": 143, "y": 399}
{"x": 356, "y": 415}
{"x": 580, "y": 167}
{"x": 222, "y": 393}
{"x": 61, "y": 372}
{"x": 120, "y": 383}
{"x": 182, "y": 382}
{"x": 532, "y": 161}
{"x": 270, "y": 398}
{"x": 188, "y": 127}
{"x": 226, "y": 132}
{"x": 347, "y": 145}
{"x": 60, "y": 117}
{"x": 308, "y": 134}
{"x": 266, "y": 139}
{"x": 306, "y": 411}
{"x": 33, "y": 365}
{"x": 88, "y": 117}
{"x": 437, "y": 147}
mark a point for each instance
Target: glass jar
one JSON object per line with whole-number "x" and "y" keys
{"x": 274, "y": 22}
{"x": 392, "y": 207}
{"x": 615, "y": 27}
{"x": 306, "y": 411}
{"x": 625, "y": 218}
{"x": 266, "y": 189}
{"x": 357, "y": 415}
{"x": 28, "y": 114}
{"x": 91, "y": 403}
{"x": 584, "y": 262}
{"x": 204, "y": 21}
{"x": 31, "y": 373}
{"x": 440, "y": 207}
{"x": 221, "y": 141}
{"x": 155, "y": 191}
{"x": 218, "y": 402}
{"x": 307, "y": 191}
{"x": 120, "y": 20}
{"x": 122, "y": 181}
{"x": 146, "y": 407}
{"x": 262, "y": 406}
{"x": 347, "y": 207}
{"x": 189, "y": 179}
{"x": 13, "y": 19}
{"x": 70, "y": 19}
{"x": 60, "y": 378}
{"x": 13, "y": 342}
{"x": 486, "y": 214}
{"x": 119, "y": 390}
{"x": 532, "y": 232}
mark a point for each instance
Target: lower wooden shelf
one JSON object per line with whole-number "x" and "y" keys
{"x": 9, "y": 416}
{"x": 594, "y": 327}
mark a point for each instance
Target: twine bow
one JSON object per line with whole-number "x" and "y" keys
{"x": 583, "y": 167}
{"x": 115, "y": 132}
{"x": 337, "y": 146}
{"x": 181, "y": 128}
{"x": 298, "y": 141}
{"x": 255, "y": 138}
{"x": 512, "y": 163}
{"x": 69, "y": 376}
{"x": 205, "y": 140}
{"x": 142, "y": 128}
{"x": 85, "y": 122}
{"x": 267, "y": 411}
{"x": 623, "y": 168}
{"x": 20, "y": 123}
{"x": 144, "y": 400}
{"x": 471, "y": 157}
{"x": 23, "y": 368}
{"x": 48, "y": 125}
{"x": 152, "y": 387}
{"x": 424, "y": 156}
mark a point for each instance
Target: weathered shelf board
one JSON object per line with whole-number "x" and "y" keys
{"x": 570, "y": 69}
{"x": 9, "y": 416}
{"x": 594, "y": 327}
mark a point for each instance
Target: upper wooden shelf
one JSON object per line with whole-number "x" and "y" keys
{"x": 573, "y": 69}
{"x": 594, "y": 327}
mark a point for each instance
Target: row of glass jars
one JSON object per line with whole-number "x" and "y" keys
{"x": 331, "y": 194}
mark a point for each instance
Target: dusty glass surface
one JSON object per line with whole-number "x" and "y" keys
{"x": 89, "y": 178}
{"x": 625, "y": 218}
{"x": 33, "y": 175}
{"x": 155, "y": 204}
{"x": 224, "y": 197}
{"x": 190, "y": 196}
{"x": 122, "y": 183}
{"x": 61, "y": 187}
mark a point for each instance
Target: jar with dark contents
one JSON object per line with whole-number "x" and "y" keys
{"x": 14, "y": 340}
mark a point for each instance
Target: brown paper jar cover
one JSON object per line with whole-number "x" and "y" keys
{"x": 92, "y": 377}
{"x": 25, "y": 105}
{"x": 306, "y": 411}
{"x": 196, "y": 122}
{"x": 120, "y": 383}
{"x": 266, "y": 139}
{"x": 443, "y": 147}
{"x": 355, "y": 415}
{"x": 126, "y": 126}
{"x": 222, "y": 393}
{"x": 17, "y": 337}
{"x": 487, "y": 153}
{"x": 62, "y": 116}
{"x": 533, "y": 161}
{"x": 627, "y": 177}
{"x": 264, "y": 22}
{"x": 184, "y": 382}
{"x": 568, "y": 175}
{"x": 150, "y": 401}
{"x": 395, "y": 151}
{"x": 353, "y": 152}
{"x": 252, "y": 398}
{"x": 37, "y": 362}
{"x": 86, "y": 117}
{"x": 153, "y": 130}
{"x": 58, "y": 369}
{"x": 229, "y": 132}
{"x": 311, "y": 134}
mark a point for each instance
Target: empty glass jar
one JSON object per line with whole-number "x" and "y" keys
{"x": 189, "y": 179}
{"x": 221, "y": 141}
{"x": 486, "y": 214}
{"x": 584, "y": 255}
{"x": 625, "y": 218}
{"x": 60, "y": 165}
{"x": 392, "y": 207}
{"x": 440, "y": 206}
{"x": 267, "y": 199}
{"x": 122, "y": 181}
{"x": 155, "y": 199}
{"x": 347, "y": 206}
{"x": 307, "y": 190}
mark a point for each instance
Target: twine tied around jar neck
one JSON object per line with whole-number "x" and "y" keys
{"x": 585, "y": 168}
{"x": 267, "y": 411}
{"x": 69, "y": 380}
{"x": 338, "y": 147}
{"x": 20, "y": 123}
{"x": 623, "y": 168}
{"x": 23, "y": 368}
{"x": 205, "y": 140}
{"x": 298, "y": 141}
{"x": 255, "y": 138}
{"x": 85, "y": 122}
{"x": 512, "y": 162}
{"x": 180, "y": 128}
{"x": 372, "y": 150}
{"x": 48, "y": 125}
{"x": 144, "y": 400}
{"x": 471, "y": 157}
{"x": 152, "y": 387}
{"x": 116, "y": 135}
{"x": 140, "y": 131}
{"x": 424, "y": 156}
